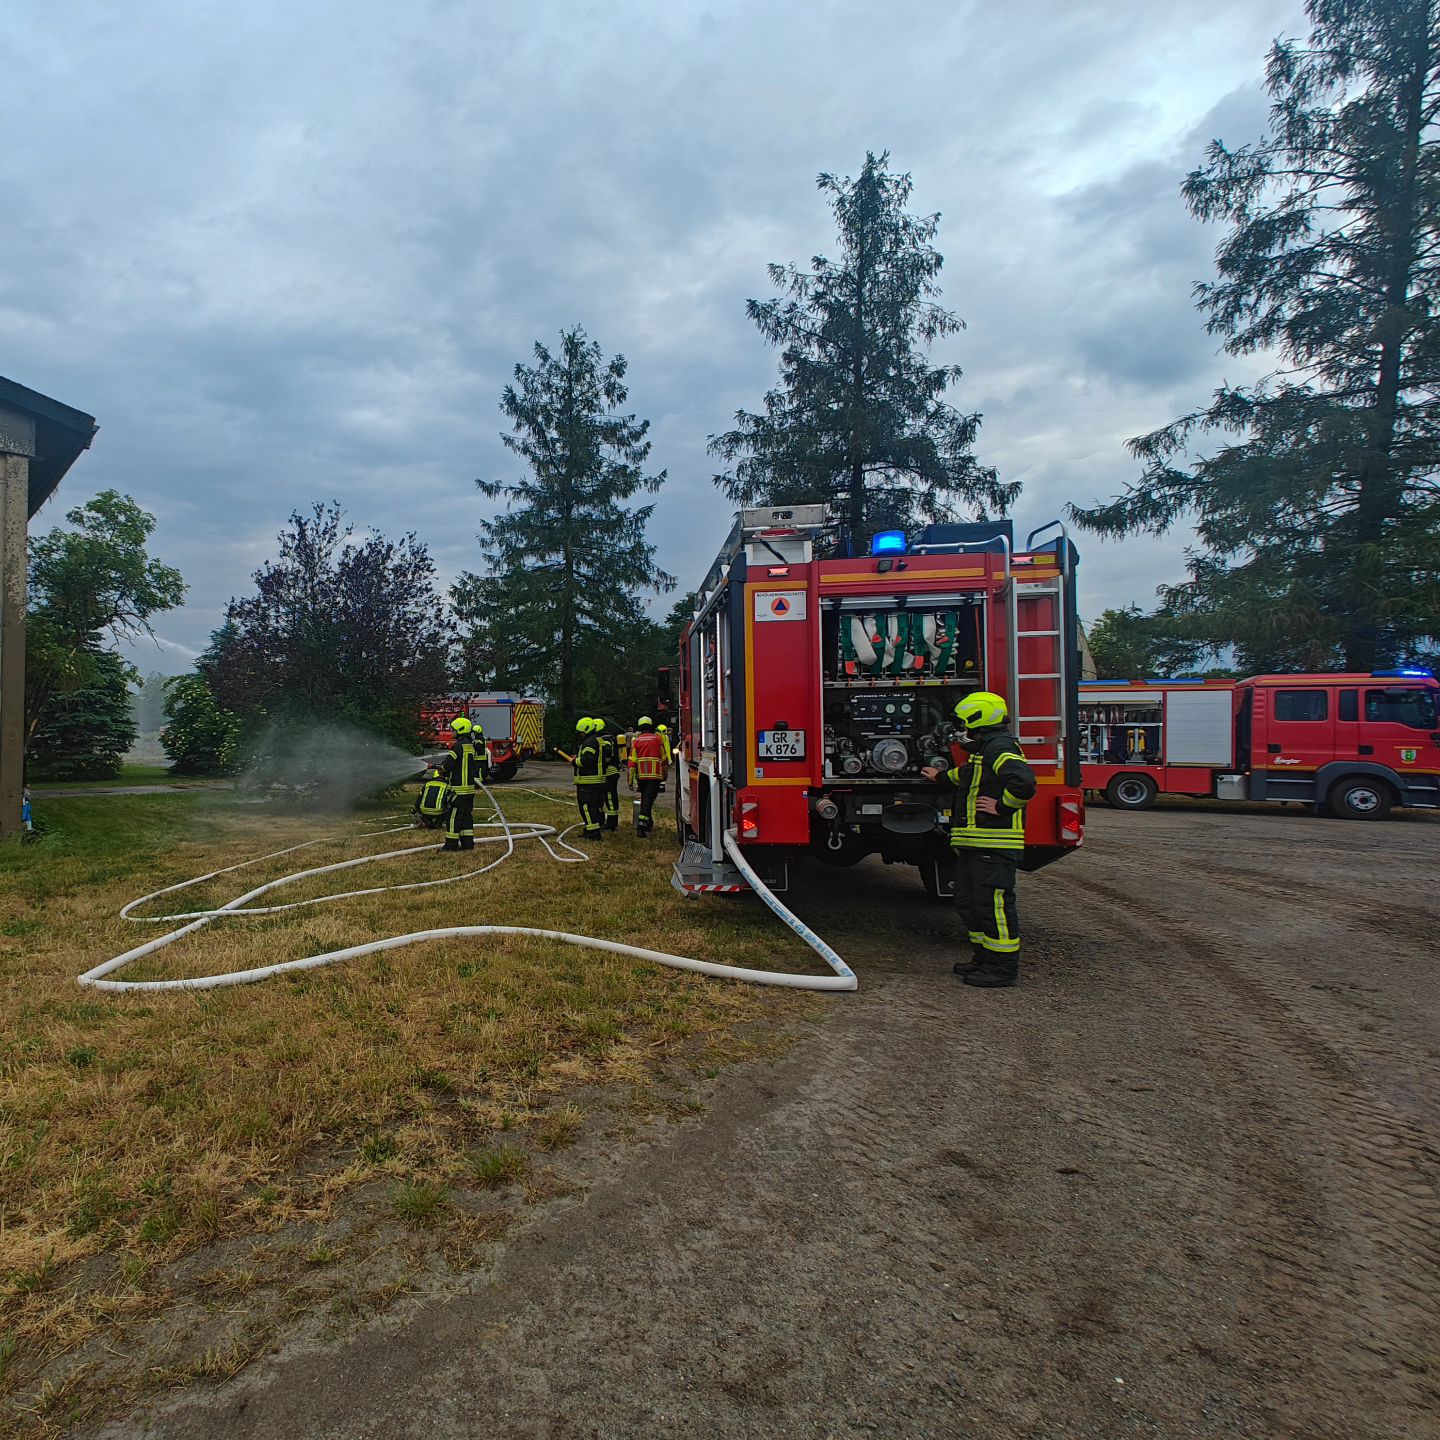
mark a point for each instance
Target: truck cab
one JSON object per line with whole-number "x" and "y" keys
{"x": 1356, "y": 744}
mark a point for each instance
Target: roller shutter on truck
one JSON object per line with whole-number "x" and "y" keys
{"x": 1199, "y": 728}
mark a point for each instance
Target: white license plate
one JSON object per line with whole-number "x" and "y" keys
{"x": 782, "y": 745}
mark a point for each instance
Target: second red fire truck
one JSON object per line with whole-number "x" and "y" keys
{"x": 1354, "y": 745}
{"x": 813, "y": 691}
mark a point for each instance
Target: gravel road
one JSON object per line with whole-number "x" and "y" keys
{"x": 1182, "y": 1182}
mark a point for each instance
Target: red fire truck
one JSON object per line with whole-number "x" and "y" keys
{"x": 514, "y": 726}
{"x": 1355, "y": 745}
{"x": 812, "y": 692}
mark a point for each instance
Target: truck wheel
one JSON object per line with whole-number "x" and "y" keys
{"x": 1132, "y": 792}
{"x": 504, "y": 771}
{"x": 1360, "y": 799}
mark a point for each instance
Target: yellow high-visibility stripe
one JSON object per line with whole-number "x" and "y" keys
{"x": 1002, "y": 930}
{"x": 986, "y": 840}
{"x": 1000, "y": 947}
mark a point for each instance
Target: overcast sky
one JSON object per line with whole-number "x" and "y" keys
{"x": 291, "y": 251}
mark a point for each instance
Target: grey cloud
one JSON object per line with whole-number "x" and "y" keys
{"x": 292, "y": 252}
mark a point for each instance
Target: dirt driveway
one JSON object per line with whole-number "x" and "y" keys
{"x": 1183, "y": 1182}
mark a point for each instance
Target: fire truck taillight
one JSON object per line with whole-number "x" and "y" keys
{"x": 749, "y": 819}
{"x": 1072, "y": 821}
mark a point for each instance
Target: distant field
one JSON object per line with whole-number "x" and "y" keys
{"x": 130, "y": 774}
{"x": 156, "y": 1150}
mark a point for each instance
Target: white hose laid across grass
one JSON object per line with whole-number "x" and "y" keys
{"x": 842, "y": 979}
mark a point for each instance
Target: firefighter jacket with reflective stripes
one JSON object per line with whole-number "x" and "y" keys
{"x": 434, "y": 794}
{"x": 647, "y": 756}
{"x": 611, "y": 756}
{"x": 997, "y": 769}
{"x": 589, "y": 762}
{"x": 464, "y": 766}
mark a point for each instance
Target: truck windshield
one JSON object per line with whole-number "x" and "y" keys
{"x": 1399, "y": 705}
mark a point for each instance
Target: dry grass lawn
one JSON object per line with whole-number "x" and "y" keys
{"x": 137, "y": 1130}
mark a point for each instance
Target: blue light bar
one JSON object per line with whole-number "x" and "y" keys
{"x": 888, "y": 542}
{"x": 1401, "y": 675}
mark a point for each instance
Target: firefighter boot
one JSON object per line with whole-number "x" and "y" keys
{"x": 994, "y": 972}
{"x": 977, "y": 954}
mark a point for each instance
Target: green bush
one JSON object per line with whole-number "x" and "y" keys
{"x": 201, "y": 737}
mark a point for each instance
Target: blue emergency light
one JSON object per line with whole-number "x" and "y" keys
{"x": 1401, "y": 675}
{"x": 888, "y": 542}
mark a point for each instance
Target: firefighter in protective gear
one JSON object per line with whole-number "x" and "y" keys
{"x": 663, "y": 731}
{"x": 611, "y": 757}
{"x": 589, "y": 767}
{"x": 434, "y": 798}
{"x": 987, "y": 834}
{"x": 646, "y": 771}
{"x": 465, "y": 768}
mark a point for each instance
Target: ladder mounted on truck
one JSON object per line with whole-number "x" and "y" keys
{"x": 1038, "y": 697}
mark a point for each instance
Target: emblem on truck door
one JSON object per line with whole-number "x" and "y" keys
{"x": 1409, "y": 756}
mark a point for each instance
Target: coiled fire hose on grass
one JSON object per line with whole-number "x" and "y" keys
{"x": 842, "y": 979}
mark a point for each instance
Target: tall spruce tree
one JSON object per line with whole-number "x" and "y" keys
{"x": 1319, "y": 513}
{"x": 860, "y": 418}
{"x": 567, "y": 562}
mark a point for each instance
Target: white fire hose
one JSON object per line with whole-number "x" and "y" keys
{"x": 842, "y": 979}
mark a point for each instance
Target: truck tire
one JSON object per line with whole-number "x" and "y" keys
{"x": 1132, "y": 792}
{"x": 504, "y": 771}
{"x": 1360, "y": 798}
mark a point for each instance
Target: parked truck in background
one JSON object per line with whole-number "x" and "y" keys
{"x": 514, "y": 725}
{"x": 1353, "y": 745}
{"x": 813, "y": 691}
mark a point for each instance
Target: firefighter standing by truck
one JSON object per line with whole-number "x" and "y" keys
{"x": 589, "y": 767}
{"x": 987, "y": 834}
{"x": 464, "y": 768}
{"x": 646, "y": 763}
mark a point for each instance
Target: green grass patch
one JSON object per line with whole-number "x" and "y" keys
{"x": 419, "y": 1202}
{"x": 498, "y": 1166}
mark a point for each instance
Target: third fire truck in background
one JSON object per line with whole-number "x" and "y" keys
{"x": 514, "y": 725}
{"x": 1355, "y": 745}
{"x": 813, "y": 691}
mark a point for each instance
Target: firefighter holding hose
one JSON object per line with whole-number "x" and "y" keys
{"x": 464, "y": 768}
{"x": 987, "y": 834}
{"x": 589, "y": 767}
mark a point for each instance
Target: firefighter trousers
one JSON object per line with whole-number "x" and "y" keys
{"x": 591, "y": 800}
{"x": 644, "y": 818}
{"x": 985, "y": 899}
{"x": 460, "y": 824}
{"x": 612, "y": 802}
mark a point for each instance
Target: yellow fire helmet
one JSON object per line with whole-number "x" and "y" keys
{"x": 981, "y": 710}
{"x": 644, "y": 720}
{"x": 461, "y": 725}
